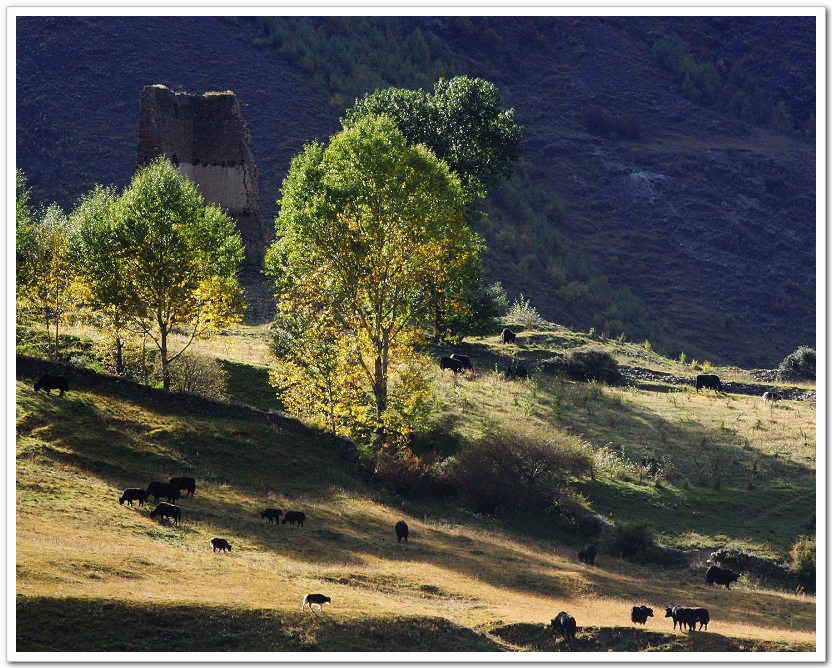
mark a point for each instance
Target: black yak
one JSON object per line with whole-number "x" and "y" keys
{"x": 293, "y": 516}
{"x": 640, "y": 614}
{"x": 271, "y": 514}
{"x": 160, "y": 490}
{"x": 402, "y": 531}
{"x": 50, "y": 383}
{"x": 709, "y": 381}
{"x": 220, "y": 545}
{"x": 466, "y": 361}
{"x": 188, "y": 484}
{"x": 507, "y": 336}
{"x": 565, "y": 623}
{"x": 587, "y": 554}
{"x": 167, "y": 510}
{"x": 133, "y": 494}
{"x": 315, "y": 599}
{"x": 721, "y": 576}
{"x": 450, "y": 363}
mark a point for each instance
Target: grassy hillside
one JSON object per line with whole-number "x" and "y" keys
{"x": 463, "y": 582}
{"x": 695, "y": 231}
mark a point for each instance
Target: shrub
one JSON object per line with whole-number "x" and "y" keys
{"x": 515, "y": 469}
{"x": 631, "y": 540}
{"x": 799, "y": 364}
{"x": 198, "y": 374}
{"x": 523, "y": 312}
{"x": 592, "y": 365}
{"x": 803, "y": 561}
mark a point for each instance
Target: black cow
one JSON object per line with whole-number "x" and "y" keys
{"x": 167, "y": 510}
{"x": 681, "y": 615}
{"x": 640, "y": 614}
{"x": 507, "y": 336}
{"x": 133, "y": 494}
{"x": 450, "y": 363}
{"x": 515, "y": 370}
{"x": 293, "y": 516}
{"x": 315, "y": 599}
{"x": 721, "y": 576}
{"x": 220, "y": 545}
{"x": 159, "y": 490}
{"x": 710, "y": 381}
{"x": 188, "y": 484}
{"x": 702, "y": 616}
{"x": 565, "y": 623}
{"x": 587, "y": 554}
{"x": 466, "y": 361}
{"x": 271, "y": 514}
{"x": 50, "y": 383}
{"x": 402, "y": 531}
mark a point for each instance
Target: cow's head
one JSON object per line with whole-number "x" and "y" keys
{"x": 668, "y": 612}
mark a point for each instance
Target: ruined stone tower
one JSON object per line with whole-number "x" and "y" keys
{"x": 206, "y": 138}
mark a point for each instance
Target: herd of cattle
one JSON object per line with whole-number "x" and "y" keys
{"x": 684, "y": 616}
{"x": 563, "y": 623}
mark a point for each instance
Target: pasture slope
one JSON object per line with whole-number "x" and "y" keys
{"x": 96, "y": 576}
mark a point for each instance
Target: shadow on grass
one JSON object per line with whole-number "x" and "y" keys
{"x": 539, "y": 637}
{"x": 75, "y": 625}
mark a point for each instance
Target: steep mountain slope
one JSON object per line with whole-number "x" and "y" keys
{"x": 697, "y": 231}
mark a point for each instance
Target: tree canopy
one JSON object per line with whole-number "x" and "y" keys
{"x": 173, "y": 259}
{"x": 462, "y": 122}
{"x": 366, "y": 224}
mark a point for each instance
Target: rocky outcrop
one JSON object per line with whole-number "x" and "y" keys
{"x": 206, "y": 138}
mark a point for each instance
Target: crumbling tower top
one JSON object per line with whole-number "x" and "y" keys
{"x": 206, "y": 138}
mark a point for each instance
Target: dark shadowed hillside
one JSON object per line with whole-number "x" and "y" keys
{"x": 675, "y": 205}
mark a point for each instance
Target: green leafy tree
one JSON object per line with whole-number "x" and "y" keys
{"x": 178, "y": 259}
{"x": 102, "y": 268}
{"x": 48, "y": 286}
{"x": 365, "y": 226}
{"x": 463, "y": 123}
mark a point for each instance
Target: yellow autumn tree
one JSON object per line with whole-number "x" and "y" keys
{"x": 367, "y": 225}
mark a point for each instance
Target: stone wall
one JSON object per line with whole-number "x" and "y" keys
{"x": 206, "y": 138}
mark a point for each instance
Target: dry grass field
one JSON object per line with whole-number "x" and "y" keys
{"x": 124, "y": 582}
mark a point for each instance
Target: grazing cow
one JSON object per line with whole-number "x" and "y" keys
{"x": 466, "y": 361}
{"x": 682, "y": 615}
{"x": 315, "y": 599}
{"x": 772, "y": 397}
{"x": 710, "y": 381}
{"x": 401, "y": 531}
{"x": 652, "y": 465}
{"x": 702, "y": 616}
{"x": 160, "y": 490}
{"x": 721, "y": 576}
{"x": 515, "y": 370}
{"x": 133, "y": 494}
{"x": 188, "y": 484}
{"x": 50, "y": 383}
{"x": 587, "y": 554}
{"x": 220, "y": 545}
{"x": 450, "y": 363}
{"x": 565, "y": 623}
{"x": 271, "y": 514}
{"x": 640, "y": 614}
{"x": 293, "y": 516}
{"x": 507, "y": 336}
{"x": 167, "y": 510}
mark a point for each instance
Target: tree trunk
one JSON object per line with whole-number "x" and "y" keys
{"x": 380, "y": 389}
{"x": 57, "y": 320}
{"x": 119, "y": 355}
{"x": 163, "y": 349}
